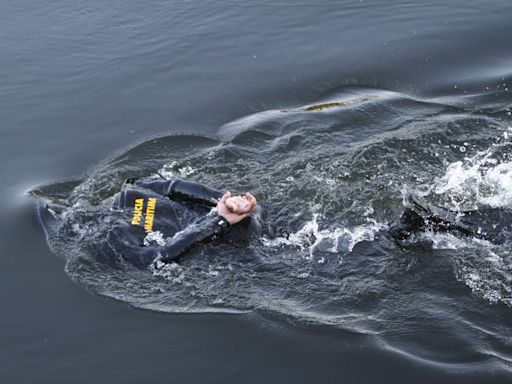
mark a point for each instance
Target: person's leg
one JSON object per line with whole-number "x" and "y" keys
{"x": 493, "y": 224}
{"x": 412, "y": 219}
{"x": 409, "y": 222}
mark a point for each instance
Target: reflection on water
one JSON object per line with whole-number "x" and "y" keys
{"x": 330, "y": 176}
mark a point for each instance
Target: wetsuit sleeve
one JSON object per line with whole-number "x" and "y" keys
{"x": 206, "y": 229}
{"x": 182, "y": 190}
{"x": 194, "y": 192}
{"x": 160, "y": 187}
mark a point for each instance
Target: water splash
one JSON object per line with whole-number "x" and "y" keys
{"x": 332, "y": 240}
{"x": 484, "y": 179}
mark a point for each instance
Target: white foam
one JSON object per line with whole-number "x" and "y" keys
{"x": 478, "y": 180}
{"x": 175, "y": 169}
{"x": 213, "y": 273}
{"x": 480, "y": 286}
{"x": 332, "y": 240}
{"x": 169, "y": 271}
{"x": 154, "y": 237}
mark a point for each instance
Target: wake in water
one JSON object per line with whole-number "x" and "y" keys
{"x": 331, "y": 176}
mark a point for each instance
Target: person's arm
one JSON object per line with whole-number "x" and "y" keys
{"x": 209, "y": 227}
{"x": 206, "y": 229}
{"x": 182, "y": 190}
{"x": 194, "y": 192}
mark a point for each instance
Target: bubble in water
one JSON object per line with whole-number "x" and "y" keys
{"x": 462, "y": 148}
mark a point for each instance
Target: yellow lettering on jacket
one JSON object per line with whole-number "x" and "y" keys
{"x": 150, "y": 214}
{"x": 137, "y": 211}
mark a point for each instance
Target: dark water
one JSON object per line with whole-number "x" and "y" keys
{"x": 424, "y": 104}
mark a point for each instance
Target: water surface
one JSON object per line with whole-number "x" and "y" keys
{"x": 426, "y": 104}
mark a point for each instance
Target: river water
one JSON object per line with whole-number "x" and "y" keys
{"x": 328, "y": 112}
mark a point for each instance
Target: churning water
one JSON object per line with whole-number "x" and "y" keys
{"x": 330, "y": 176}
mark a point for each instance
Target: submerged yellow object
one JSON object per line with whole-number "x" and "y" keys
{"x": 332, "y": 104}
{"x": 320, "y": 107}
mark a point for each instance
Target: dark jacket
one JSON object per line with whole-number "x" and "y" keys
{"x": 163, "y": 219}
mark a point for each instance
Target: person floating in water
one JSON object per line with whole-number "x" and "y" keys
{"x": 153, "y": 222}
{"x": 492, "y": 224}
{"x": 159, "y": 206}
{"x": 158, "y": 221}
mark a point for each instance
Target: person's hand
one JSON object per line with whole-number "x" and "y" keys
{"x": 234, "y": 217}
{"x": 241, "y": 204}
